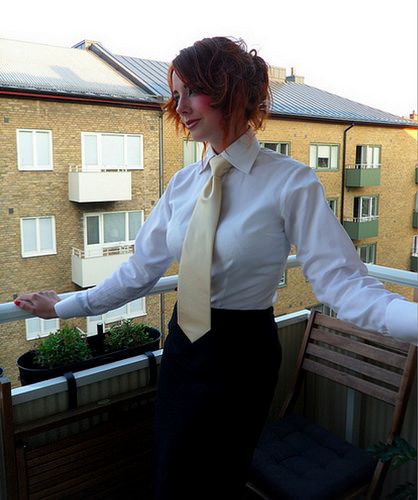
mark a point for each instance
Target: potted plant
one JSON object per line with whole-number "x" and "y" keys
{"x": 70, "y": 350}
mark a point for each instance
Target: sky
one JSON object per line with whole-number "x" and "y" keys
{"x": 364, "y": 50}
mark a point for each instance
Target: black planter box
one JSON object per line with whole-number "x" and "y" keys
{"x": 29, "y": 374}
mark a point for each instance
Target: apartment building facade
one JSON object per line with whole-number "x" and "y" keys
{"x": 80, "y": 171}
{"x": 59, "y": 155}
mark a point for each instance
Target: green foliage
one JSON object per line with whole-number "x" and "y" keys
{"x": 66, "y": 345}
{"x": 399, "y": 452}
{"x": 126, "y": 334}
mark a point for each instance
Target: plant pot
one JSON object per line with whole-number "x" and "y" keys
{"x": 29, "y": 374}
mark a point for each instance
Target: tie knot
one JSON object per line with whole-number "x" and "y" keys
{"x": 219, "y": 166}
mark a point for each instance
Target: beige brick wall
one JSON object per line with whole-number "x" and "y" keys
{"x": 46, "y": 193}
{"x": 396, "y": 192}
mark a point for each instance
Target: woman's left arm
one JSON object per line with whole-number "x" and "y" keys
{"x": 333, "y": 267}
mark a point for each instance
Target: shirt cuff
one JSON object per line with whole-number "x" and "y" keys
{"x": 402, "y": 320}
{"x": 69, "y": 308}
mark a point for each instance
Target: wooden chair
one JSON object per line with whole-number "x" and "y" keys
{"x": 296, "y": 459}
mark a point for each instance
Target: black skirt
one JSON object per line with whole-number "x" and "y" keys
{"x": 213, "y": 399}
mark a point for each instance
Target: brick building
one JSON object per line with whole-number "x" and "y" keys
{"x": 94, "y": 102}
{"x": 79, "y": 172}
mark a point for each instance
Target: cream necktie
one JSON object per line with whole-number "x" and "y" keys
{"x": 194, "y": 285}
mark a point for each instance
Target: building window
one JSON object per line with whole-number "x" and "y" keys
{"x": 34, "y": 149}
{"x": 324, "y": 309}
{"x": 111, "y": 151}
{"x": 37, "y": 327}
{"x": 104, "y": 230}
{"x": 283, "y": 279}
{"x": 280, "y": 147}
{"x": 133, "y": 309}
{"x": 415, "y": 245}
{"x": 367, "y": 156}
{"x": 37, "y": 236}
{"x": 367, "y": 253}
{"x": 324, "y": 156}
{"x": 192, "y": 152}
{"x": 332, "y": 203}
{"x": 365, "y": 208}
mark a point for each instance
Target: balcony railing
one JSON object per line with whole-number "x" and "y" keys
{"x": 359, "y": 421}
{"x": 362, "y": 175}
{"x": 87, "y": 186}
{"x": 359, "y": 228}
{"x": 91, "y": 267}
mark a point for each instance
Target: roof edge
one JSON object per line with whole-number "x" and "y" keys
{"x": 108, "y": 57}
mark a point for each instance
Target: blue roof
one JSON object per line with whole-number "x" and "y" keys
{"x": 299, "y": 99}
{"x": 290, "y": 99}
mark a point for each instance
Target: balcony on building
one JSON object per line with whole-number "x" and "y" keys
{"x": 362, "y": 175}
{"x": 359, "y": 228}
{"x": 90, "y": 267}
{"x": 99, "y": 185}
{"x": 40, "y": 406}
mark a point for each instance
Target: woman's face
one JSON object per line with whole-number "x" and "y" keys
{"x": 202, "y": 120}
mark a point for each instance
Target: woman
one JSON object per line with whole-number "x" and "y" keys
{"x": 215, "y": 392}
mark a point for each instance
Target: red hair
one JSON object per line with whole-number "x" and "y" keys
{"x": 236, "y": 80}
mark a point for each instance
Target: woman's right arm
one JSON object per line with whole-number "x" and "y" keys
{"x": 133, "y": 279}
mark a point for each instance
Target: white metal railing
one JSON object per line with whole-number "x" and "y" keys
{"x": 360, "y": 166}
{"x": 102, "y": 251}
{"x": 367, "y": 218}
{"x": 9, "y": 312}
{"x": 72, "y": 167}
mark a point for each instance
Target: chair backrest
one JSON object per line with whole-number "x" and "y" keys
{"x": 371, "y": 363}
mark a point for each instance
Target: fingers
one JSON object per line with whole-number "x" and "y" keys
{"x": 40, "y": 303}
{"x": 25, "y": 304}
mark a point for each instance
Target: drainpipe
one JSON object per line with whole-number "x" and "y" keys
{"x": 161, "y": 190}
{"x": 343, "y": 171}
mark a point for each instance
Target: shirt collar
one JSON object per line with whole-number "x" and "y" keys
{"x": 241, "y": 153}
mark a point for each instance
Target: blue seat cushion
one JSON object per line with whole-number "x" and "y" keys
{"x": 297, "y": 459}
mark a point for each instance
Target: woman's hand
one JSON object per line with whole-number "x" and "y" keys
{"x": 40, "y": 303}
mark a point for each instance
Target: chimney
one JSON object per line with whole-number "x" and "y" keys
{"x": 277, "y": 74}
{"x": 295, "y": 78}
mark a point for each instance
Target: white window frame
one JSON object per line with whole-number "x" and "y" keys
{"x": 333, "y": 201}
{"x": 35, "y": 167}
{"x": 38, "y": 252}
{"x": 278, "y": 145}
{"x": 368, "y": 150}
{"x": 100, "y": 167}
{"x": 193, "y": 150}
{"x": 415, "y": 245}
{"x": 373, "y": 207}
{"x": 91, "y": 248}
{"x": 369, "y": 250}
{"x": 313, "y": 156}
{"x": 108, "y": 318}
{"x": 283, "y": 280}
{"x": 43, "y": 329}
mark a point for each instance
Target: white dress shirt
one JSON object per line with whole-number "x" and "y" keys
{"x": 269, "y": 202}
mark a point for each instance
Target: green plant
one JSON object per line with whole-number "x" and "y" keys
{"x": 126, "y": 334}
{"x": 64, "y": 346}
{"x": 399, "y": 453}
